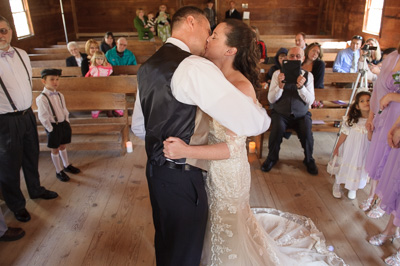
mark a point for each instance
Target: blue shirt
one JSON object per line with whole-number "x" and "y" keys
{"x": 114, "y": 59}
{"x": 344, "y": 59}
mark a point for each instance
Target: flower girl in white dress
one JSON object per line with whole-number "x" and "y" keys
{"x": 352, "y": 148}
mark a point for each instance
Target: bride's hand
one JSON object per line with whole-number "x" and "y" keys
{"x": 174, "y": 148}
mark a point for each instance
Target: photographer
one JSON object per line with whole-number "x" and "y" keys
{"x": 291, "y": 100}
{"x": 371, "y": 56}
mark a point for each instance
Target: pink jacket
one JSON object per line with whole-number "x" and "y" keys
{"x": 99, "y": 71}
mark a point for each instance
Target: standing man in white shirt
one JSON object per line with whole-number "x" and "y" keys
{"x": 172, "y": 85}
{"x": 290, "y": 109}
{"x": 19, "y": 144}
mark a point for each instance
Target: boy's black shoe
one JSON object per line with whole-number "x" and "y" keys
{"x": 62, "y": 176}
{"x": 71, "y": 169}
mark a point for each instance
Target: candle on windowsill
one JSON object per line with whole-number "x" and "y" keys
{"x": 252, "y": 147}
{"x": 129, "y": 146}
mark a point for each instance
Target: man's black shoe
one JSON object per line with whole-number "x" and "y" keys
{"x": 71, "y": 169}
{"x": 47, "y": 194}
{"x": 22, "y": 215}
{"x": 62, "y": 176}
{"x": 267, "y": 165}
{"x": 311, "y": 167}
{"x": 12, "y": 234}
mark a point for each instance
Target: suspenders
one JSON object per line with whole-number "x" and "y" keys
{"x": 8, "y": 96}
{"x": 26, "y": 69}
{"x": 5, "y": 89}
{"x": 51, "y": 106}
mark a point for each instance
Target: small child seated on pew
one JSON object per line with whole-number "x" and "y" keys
{"x": 99, "y": 67}
{"x": 352, "y": 148}
{"x": 53, "y": 115}
{"x": 151, "y": 23}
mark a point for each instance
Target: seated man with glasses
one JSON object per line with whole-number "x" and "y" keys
{"x": 347, "y": 60}
{"x": 290, "y": 103}
{"x": 119, "y": 55}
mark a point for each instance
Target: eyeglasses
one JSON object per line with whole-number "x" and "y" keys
{"x": 358, "y": 37}
{"x": 3, "y": 31}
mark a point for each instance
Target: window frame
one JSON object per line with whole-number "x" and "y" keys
{"x": 28, "y": 19}
{"x": 368, "y": 4}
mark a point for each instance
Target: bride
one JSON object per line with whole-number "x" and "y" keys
{"x": 237, "y": 234}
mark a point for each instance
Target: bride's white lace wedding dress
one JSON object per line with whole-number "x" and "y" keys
{"x": 238, "y": 235}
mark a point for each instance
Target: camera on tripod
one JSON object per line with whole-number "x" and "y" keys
{"x": 368, "y": 47}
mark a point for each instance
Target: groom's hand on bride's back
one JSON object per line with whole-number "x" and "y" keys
{"x": 174, "y": 148}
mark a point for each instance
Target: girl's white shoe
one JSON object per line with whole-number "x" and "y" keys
{"x": 336, "y": 191}
{"x": 352, "y": 194}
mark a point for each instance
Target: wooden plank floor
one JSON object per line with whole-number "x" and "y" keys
{"x": 103, "y": 215}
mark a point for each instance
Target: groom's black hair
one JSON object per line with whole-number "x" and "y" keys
{"x": 183, "y": 12}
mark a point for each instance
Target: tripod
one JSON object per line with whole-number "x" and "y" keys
{"x": 361, "y": 83}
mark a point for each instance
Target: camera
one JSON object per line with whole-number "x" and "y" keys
{"x": 368, "y": 47}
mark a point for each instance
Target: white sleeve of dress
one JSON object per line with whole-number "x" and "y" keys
{"x": 197, "y": 81}
{"x": 138, "y": 119}
{"x": 44, "y": 112}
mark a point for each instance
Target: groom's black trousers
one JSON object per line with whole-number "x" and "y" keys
{"x": 180, "y": 210}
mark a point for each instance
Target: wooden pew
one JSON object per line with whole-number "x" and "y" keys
{"x": 328, "y": 114}
{"x": 87, "y": 94}
{"x": 134, "y": 46}
{"x": 49, "y": 63}
{"x": 88, "y": 35}
{"x": 140, "y": 59}
{"x": 125, "y": 70}
{"x": 66, "y": 71}
{"x": 76, "y": 71}
{"x": 115, "y": 84}
{"x": 87, "y": 101}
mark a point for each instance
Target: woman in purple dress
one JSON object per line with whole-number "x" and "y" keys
{"x": 389, "y": 191}
{"x": 385, "y": 108}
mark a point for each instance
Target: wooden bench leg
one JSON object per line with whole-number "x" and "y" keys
{"x": 259, "y": 144}
{"x": 124, "y": 140}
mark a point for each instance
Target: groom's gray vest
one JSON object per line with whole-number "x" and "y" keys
{"x": 163, "y": 115}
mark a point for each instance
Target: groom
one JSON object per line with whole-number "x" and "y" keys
{"x": 172, "y": 84}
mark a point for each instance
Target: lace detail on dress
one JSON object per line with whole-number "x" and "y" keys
{"x": 235, "y": 235}
{"x": 359, "y": 126}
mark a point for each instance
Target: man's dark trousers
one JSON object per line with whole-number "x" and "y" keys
{"x": 19, "y": 146}
{"x": 180, "y": 211}
{"x": 301, "y": 125}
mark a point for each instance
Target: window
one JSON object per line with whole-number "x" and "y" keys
{"x": 373, "y": 16}
{"x": 22, "y": 19}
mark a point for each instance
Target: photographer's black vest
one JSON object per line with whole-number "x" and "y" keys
{"x": 164, "y": 116}
{"x": 290, "y": 103}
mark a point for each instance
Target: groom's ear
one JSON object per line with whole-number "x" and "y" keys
{"x": 231, "y": 51}
{"x": 190, "y": 21}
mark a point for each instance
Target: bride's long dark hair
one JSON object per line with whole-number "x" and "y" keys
{"x": 244, "y": 39}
